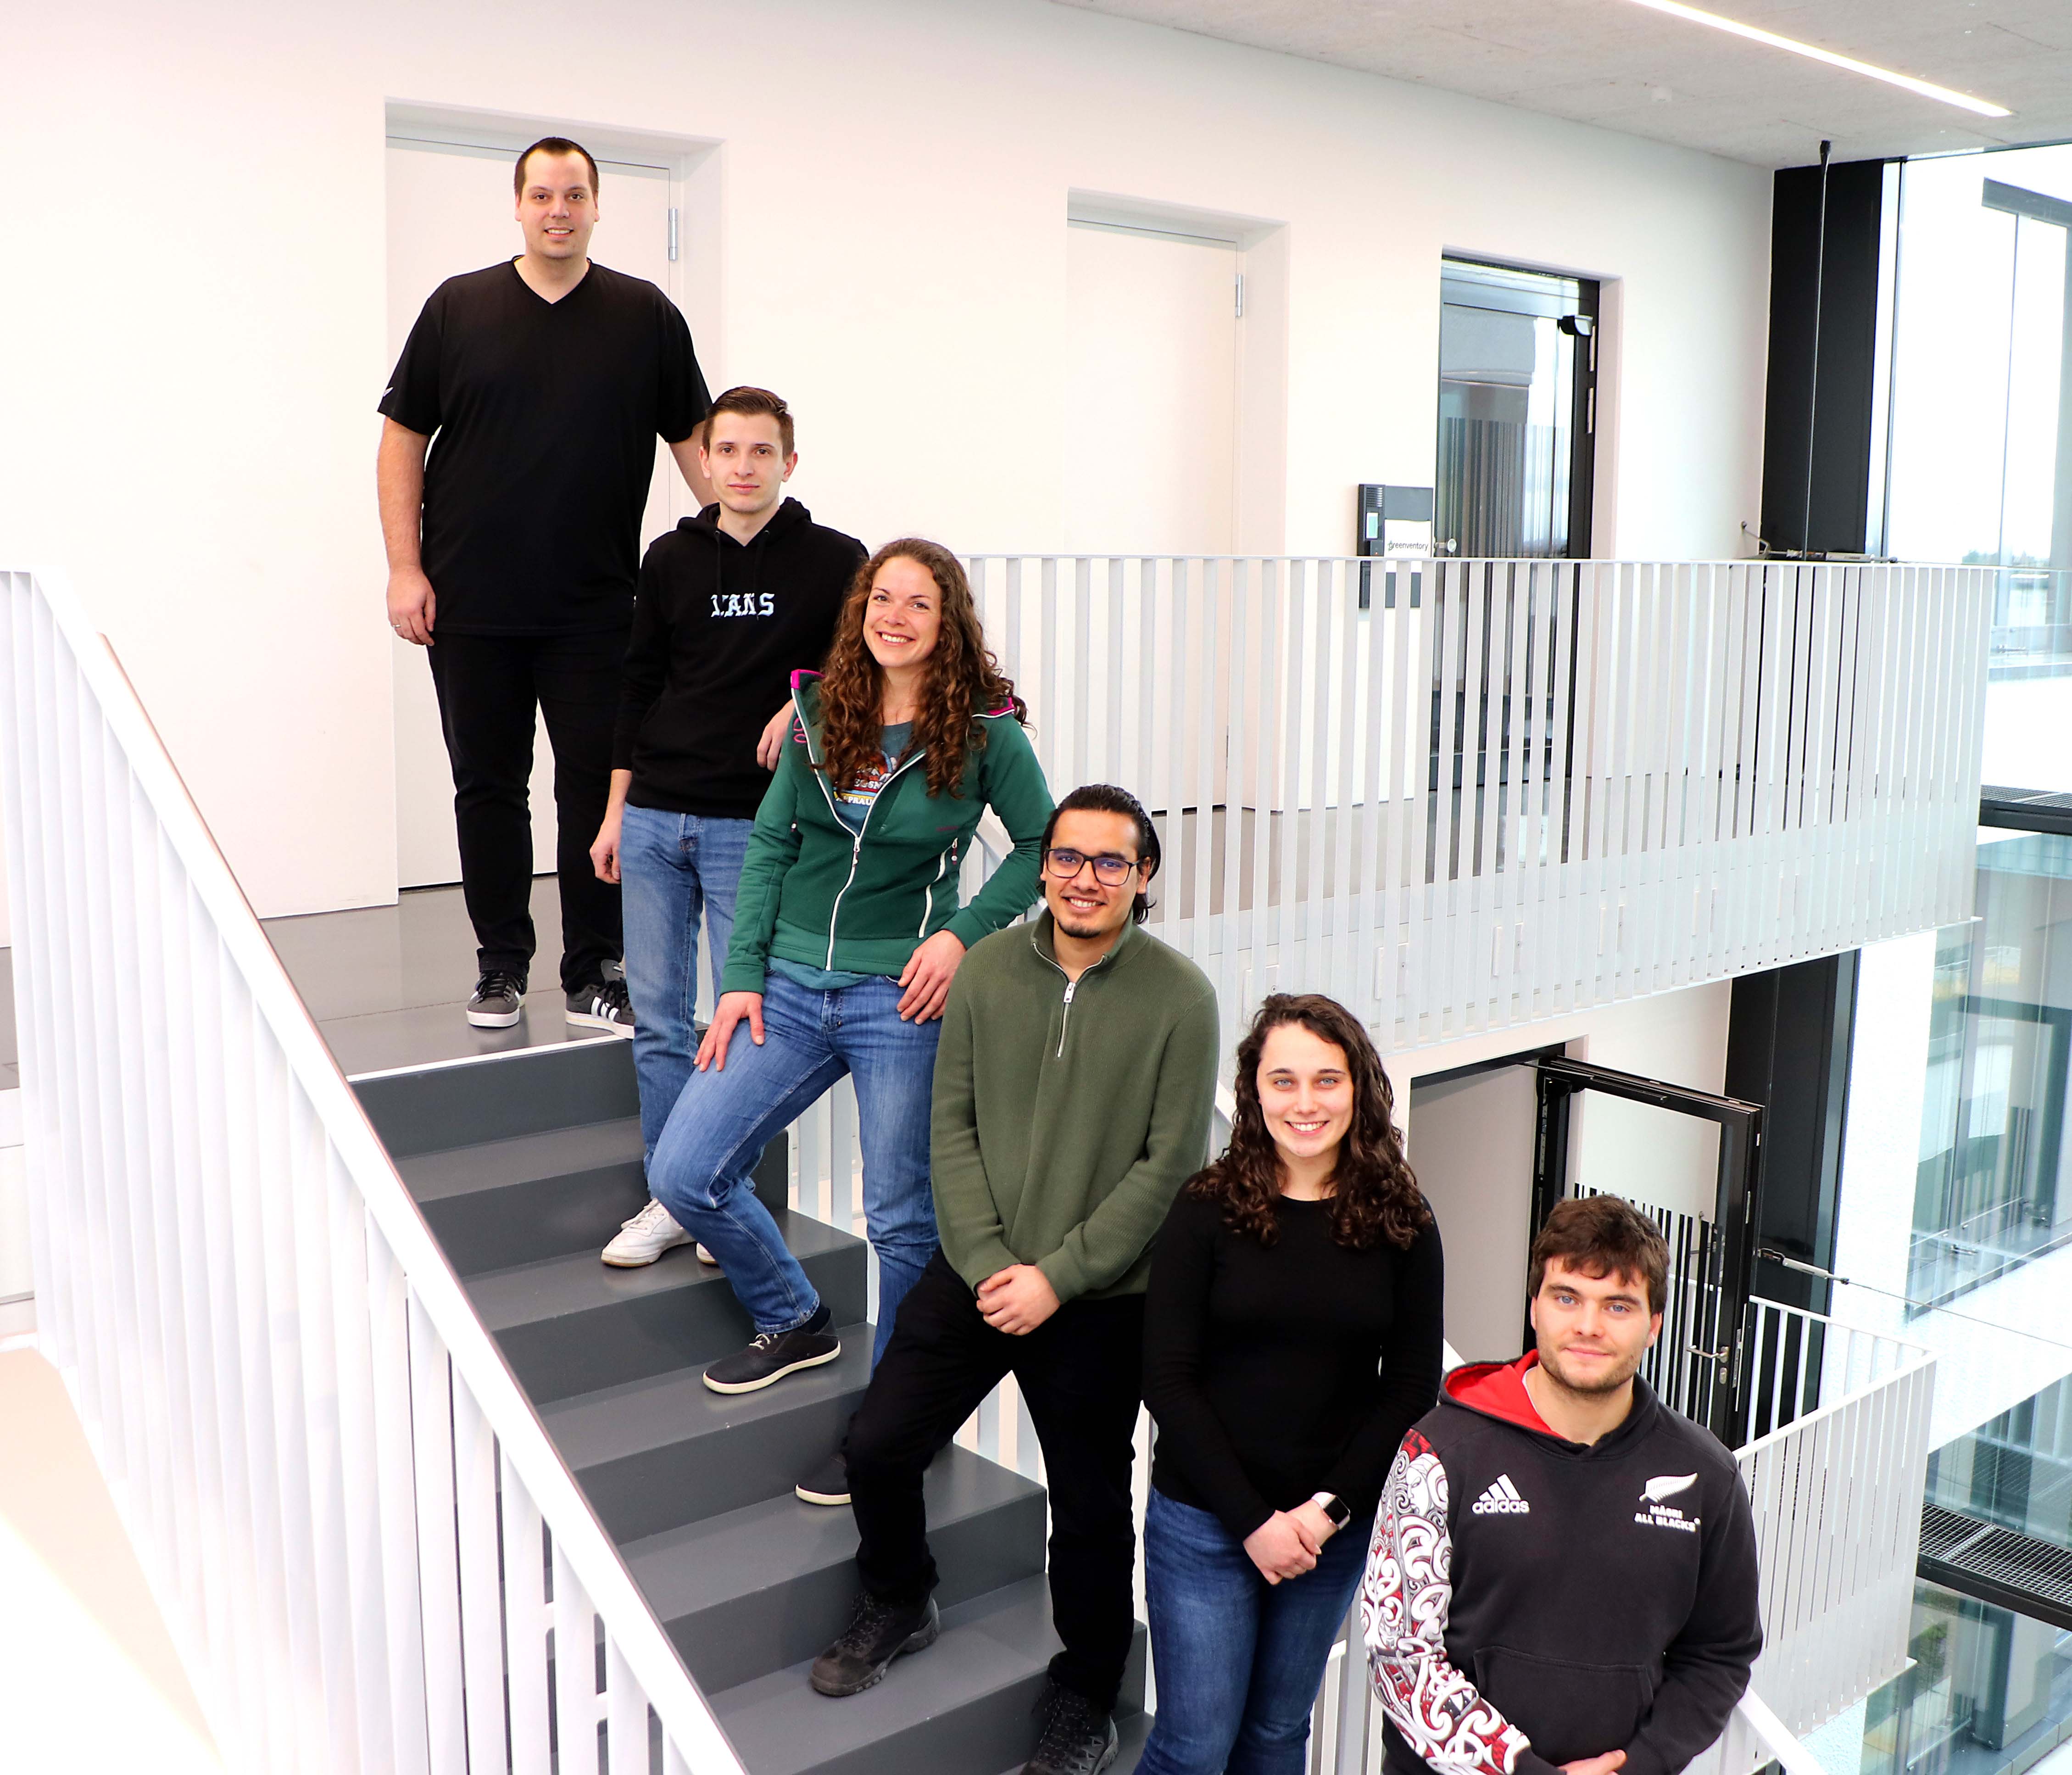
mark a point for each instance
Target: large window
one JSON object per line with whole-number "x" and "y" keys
{"x": 1979, "y": 461}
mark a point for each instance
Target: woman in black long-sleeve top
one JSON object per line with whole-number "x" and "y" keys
{"x": 1292, "y": 1335}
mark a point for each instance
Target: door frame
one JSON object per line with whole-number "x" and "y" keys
{"x": 1724, "y": 1258}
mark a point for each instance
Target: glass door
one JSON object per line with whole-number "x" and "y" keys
{"x": 1517, "y": 354}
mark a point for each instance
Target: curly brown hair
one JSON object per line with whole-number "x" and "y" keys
{"x": 964, "y": 679}
{"x": 1374, "y": 1192}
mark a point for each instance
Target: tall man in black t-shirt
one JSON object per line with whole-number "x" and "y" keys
{"x": 512, "y": 554}
{"x": 732, "y": 603}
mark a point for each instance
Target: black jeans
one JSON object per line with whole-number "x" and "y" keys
{"x": 1081, "y": 1373}
{"x": 487, "y": 687}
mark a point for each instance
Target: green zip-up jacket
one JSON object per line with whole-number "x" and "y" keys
{"x": 1068, "y": 1113}
{"x": 813, "y": 892}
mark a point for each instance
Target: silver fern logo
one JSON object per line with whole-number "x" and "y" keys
{"x": 1657, "y": 1513}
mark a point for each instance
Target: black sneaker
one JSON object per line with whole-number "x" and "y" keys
{"x": 828, "y": 1484}
{"x": 1079, "y": 1738}
{"x": 499, "y": 999}
{"x": 775, "y": 1354}
{"x": 877, "y": 1632}
{"x": 604, "y": 1006}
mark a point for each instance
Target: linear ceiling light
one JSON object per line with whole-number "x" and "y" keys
{"x": 1755, "y": 35}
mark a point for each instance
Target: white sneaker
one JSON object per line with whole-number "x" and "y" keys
{"x": 644, "y": 1238}
{"x": 706, "y": 1257}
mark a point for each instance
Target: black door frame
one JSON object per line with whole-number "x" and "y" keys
{"x": 1729, "y": 1254}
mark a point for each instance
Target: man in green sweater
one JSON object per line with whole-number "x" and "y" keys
{"x": 1074, "y": 1086}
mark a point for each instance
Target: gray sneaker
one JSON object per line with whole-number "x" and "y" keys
{"x": 499, "y": 998}
{"x": 604, "y": 1006}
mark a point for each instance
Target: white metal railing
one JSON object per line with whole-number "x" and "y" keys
{"x": 366, "y": 1546}
{"x": 1461, "y": 795}
{"x": 1837, "y": 1495}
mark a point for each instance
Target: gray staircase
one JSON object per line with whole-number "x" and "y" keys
{"x": 525, "y": 1166}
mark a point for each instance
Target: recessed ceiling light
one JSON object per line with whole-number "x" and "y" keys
{"x": 1756, "y": 35}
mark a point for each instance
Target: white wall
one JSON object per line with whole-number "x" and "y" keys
{"x": 196, "y": 331}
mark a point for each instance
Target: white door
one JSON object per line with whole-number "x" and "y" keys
{"x": 450, "y": 211}
{"x": 1151, "y": 431}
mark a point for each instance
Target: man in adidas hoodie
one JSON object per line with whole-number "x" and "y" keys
{"x": 1563, "y": 1571}
{"x": 731, "y": 602}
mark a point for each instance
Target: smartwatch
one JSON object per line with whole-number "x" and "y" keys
{"x": 1336, "y": 1508}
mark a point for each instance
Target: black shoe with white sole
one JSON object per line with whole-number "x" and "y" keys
{"x": 775, "y": 1354}
{"x": 1079, "y": 1738}
{"x": 827, "y": 1484}
{"x": 878, "y": 1633}
{"x": 499, "y": 998}
{"x": 604, "y": 1006}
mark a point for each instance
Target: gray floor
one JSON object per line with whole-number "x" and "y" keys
{"x": 387, "y": 984}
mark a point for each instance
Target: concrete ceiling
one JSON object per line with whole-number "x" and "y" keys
{"x": 1622, "y": 67}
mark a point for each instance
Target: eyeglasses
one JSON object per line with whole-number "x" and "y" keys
{"x": 1110, "y": 871}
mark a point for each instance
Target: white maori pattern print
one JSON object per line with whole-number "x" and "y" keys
{"x": 1403, "y": 1603}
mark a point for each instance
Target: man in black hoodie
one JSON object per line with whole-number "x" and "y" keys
{"x": 1563, "y": 1570}
{"x": 731, "y": 602}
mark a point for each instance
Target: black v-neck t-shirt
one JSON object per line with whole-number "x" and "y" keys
{"x": 543, "y": 417}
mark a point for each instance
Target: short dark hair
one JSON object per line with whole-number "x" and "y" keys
{"x": 553, "y": 145}
{"x": 1602, "y": 1236}
{"x": 746, "y": 400}
{"x": 1106, "y": 798}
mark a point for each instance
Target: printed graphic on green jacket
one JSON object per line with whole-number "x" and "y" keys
{"x": 861, "y": 902}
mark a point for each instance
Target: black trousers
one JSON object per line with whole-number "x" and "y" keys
{"x": 1081, "y": 1373}
{"x": 488, "y": 687}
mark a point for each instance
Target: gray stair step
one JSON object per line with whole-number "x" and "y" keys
{"x": 764, "y": 1586}
{"x": 655, "y": 1453}
{"x": 964, "y": 1706}
{"x": 507, "y": 1202}
{"x": 527, "y": 1091}
{"x": 571, "y": 1325}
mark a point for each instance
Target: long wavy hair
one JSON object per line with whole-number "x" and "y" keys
{"x": 964, "y": 679}
{"x": 1374, "y": 1194}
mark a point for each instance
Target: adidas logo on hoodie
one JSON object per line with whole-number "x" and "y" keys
{"x": 1502, "y": 1499}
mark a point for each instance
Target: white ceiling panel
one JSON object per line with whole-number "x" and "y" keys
{"x": 1623, "y": 67}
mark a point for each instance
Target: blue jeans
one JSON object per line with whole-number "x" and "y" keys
{"x": 673, "y": 867}
{"x": 699, "y": 1171}
{"x": 1238, "y": 1661}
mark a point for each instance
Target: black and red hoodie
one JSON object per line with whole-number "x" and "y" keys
{"x": 1530, "y": 1601}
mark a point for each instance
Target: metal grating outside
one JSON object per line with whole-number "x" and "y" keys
{"x": 1997, "y": 1565}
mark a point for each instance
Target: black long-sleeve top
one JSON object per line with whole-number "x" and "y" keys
{"x": 1275, "y": 1372}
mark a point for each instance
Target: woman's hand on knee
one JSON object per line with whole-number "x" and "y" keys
{"x": 731, "y": 1008}
{"x": 929, "y": 971}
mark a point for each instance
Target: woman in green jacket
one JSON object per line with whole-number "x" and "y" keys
{"x": 847, "y": 931}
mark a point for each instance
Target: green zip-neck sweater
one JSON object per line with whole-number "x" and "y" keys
{"x": 1068, "y": 1113}
{"x": 816, "y": 892}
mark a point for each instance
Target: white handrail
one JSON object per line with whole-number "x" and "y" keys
{"x": 401, "y": 1639}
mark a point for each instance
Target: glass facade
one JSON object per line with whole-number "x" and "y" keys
{"x": 1979, "y": 433}
{"x": 1954, "y": 1229}
{"x": 1995, "y": 1184}
{"x": 1990, "y": 1691}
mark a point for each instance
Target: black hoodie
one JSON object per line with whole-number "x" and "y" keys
{"x": 718, "y": 628}
{"x": 1530, "y": 1601}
